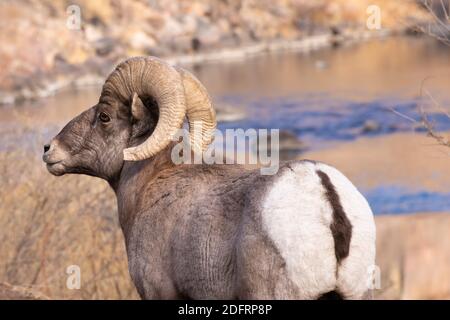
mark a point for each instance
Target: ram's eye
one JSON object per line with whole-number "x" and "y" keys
{"x": 104, "y": 117}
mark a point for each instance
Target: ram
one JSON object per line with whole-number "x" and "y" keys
{"x": 203, "y": 231}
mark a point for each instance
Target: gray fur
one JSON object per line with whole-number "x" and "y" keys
{"x": 191, "y": 231}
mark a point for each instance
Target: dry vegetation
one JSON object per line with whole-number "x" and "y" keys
{"x": 51, "y": 223}
{"x": 440, "y": 138}
{"x": 438, "y": 28}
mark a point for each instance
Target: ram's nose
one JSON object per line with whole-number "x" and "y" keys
{"x": 48, "y": 150}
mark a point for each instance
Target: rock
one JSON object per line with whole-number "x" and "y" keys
{"x": 6, "y": 98}
{"x": 290, "y": 142}
{"x": 76, "y": 54}
{"x": 288, "y": 31}
{"x": 104, "y": 46}
{"x": 229, "y": 113}
{"x": 172, "y": 28}
{"x": 140, "y": 41}
{"x": 197, "y": 8}
{"x": 159, "y": 51}
{"x": 224, "y": 26}
{"x": 370, "y": 126}
{"x": 189, "y": 23}
{"x": 289, "y": 147}
{"x": 92, "y": 33}
{"x": 208, "y": 36}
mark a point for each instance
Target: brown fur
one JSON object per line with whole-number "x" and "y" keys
{"x": 203, "y": 237}
{"x": 191, "y": 231}
{"x": 341, "y": 227}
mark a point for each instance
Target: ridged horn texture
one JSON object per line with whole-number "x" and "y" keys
{"x": 149, "y": 76}
{"x": 199, "y": 111}
{"x": 177, "y": 92}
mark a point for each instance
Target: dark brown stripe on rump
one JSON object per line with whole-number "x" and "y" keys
{"x": 341, "y": 227}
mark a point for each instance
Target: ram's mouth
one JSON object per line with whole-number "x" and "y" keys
{"x": 49, "y": 163}
{"x": 56, "y": 168}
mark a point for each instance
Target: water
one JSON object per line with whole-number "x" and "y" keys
{"x": 392, "y": 68}
{"x": 325, "y": 99}
{"x": 343, "y": 120}
{"x": 398, "y": 200}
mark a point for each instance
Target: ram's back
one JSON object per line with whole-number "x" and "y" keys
{"x": 234, "y": 233}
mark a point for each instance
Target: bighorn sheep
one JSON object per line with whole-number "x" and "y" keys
{"x": 213, "y": 231}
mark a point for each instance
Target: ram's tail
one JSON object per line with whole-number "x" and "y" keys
{"x": 332, "y": 295}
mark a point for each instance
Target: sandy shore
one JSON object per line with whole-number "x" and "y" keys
{"x": 413, "y": 253}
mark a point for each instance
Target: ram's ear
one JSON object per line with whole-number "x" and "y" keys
{"x": 138, "y": 109}
{"x": 144, "y": 118}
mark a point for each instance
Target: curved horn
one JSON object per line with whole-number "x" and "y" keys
{"x": 149, "y": 76}
{"x": 199, "y": 111}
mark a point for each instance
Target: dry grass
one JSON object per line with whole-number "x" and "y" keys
{"x": 429, "y": 104}
{"x": 50, "y": 223}
{"x": 440, "y": 138}
{"x": 438, "y": 27}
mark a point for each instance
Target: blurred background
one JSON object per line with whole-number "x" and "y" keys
{"x": 361, "y": 85}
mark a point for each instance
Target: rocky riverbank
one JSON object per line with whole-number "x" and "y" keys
{"x": 43, "y": 49}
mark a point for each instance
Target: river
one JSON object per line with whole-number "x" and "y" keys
{"x": 336, "y": 103}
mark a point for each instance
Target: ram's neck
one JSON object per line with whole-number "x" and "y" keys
{"x": 136, "y": 179}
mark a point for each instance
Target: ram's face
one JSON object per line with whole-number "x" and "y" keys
{"x": 143, "y": 104}
{"x": 91, "y": 143}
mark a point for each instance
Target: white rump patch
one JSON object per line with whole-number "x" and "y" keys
{"x": 297, "y": 216}
{"x": 354, "y": 273}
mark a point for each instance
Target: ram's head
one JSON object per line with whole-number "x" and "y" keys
{"x": 142, "y": 105}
